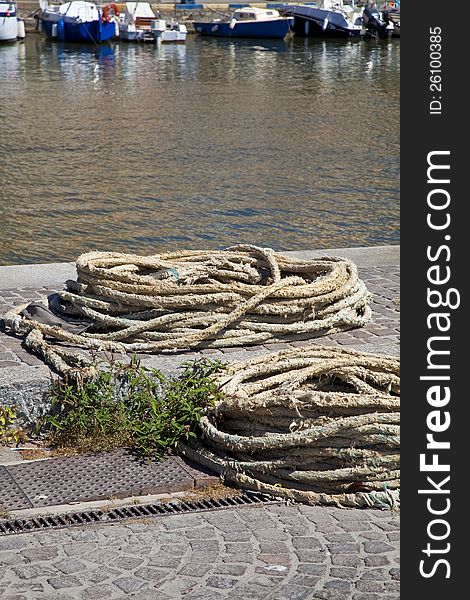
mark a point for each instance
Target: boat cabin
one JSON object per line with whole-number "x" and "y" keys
{"x": 249, "y": 13}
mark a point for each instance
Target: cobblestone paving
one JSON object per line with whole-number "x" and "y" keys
{"x": 265, "y": 553}
{"x": 271, "y": 552}
{"x": 383, "y": 282}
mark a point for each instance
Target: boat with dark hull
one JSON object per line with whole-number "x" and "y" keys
{"x": 78, "y": 21}
{"x": 247, "y": 22}
{"x": 330, "y": 18}
{"x": 377, "y": 23}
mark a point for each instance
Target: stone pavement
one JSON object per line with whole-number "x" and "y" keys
{"x": 274, "y": 552}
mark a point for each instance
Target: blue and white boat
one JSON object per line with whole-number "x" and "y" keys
{"x": 11, "y": 26}
{"x": 247, "y": 22}
{"x": 78, "y": 21}
{"x": 327, "y": 18}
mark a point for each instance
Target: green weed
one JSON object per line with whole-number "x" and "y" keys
{"x": 130, "y": 406}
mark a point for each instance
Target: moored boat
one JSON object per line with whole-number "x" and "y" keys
{"x": 11, "y": 26}
{"x": 377, "y": 23}
{"x": 78, "y": 21}
{"x": 135, "y": 23}
{"x": 333, "y": 18}
{"x": 247, "y": 22}
{"x": 139, "y": 23}
{"x": 169, "y": 31}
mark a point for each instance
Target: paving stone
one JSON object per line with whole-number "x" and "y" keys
{"x": 235, "y": 548}
{"x": 150, "y": 594}
{"x": 377, "y": 547}
{"x": 311, "y": 556}
{"x": 206, "y": 546}
{"x": 371, "y": 536}
{"x": 237, "y": 536}
{"x": 346, "y": 560}
{"x": 220, "y": 581}
{"x": 305, "y": 580}
{"x": 202, "y": 595}
{"x": 228, "y": 569}
{"x": 70, "y": 565}
{"x": 347, "y": 573}
{"x": 344, "y": 548}
{"x": 275, "y": 559}
{"x": 332, "y": 594}
{"x": 10, "y": 559}
{"x": 29, "y": 572}
{"x": 378, "y": 560}
{"x": 273, "y": 548}
{"x": 97, "y": 592}
{"x": 237, "y": 558}
{"x": 177, "y": 587}
{"x": 128, "y": 584}
{"x": 38, "y": 554}
{"x": 195, "y": 569}
{"x": 392, "y": 586}
{"x": 173, "y": 550}
{"x": 201, "y": 533}
{"x": 64, "y": 581}
{"x": 164, "y": 560}
{"x": 292, "y": 592}
{"x": 339, "y": 537}
{"x": 310, "y": 543}
{"x": 312, "y": 569}
{"x": 27, "y": 586}
{"x": 338, "y": 584}
{"x": 203, "y": 557}
{"x": 150, "y": 574}
{"x": 128, "y": 563}
{"x": 102, "y": 574}
{"x": 377, "y": 574}
{"x": 78, "y": 549}
{"x": 369, "y": 586}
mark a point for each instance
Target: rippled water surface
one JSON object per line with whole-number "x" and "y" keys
{"x": 292, "y": 145}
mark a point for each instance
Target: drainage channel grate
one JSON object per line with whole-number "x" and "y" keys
{"x": 89, "y": 517}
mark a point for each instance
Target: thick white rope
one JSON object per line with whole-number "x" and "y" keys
{"x": 317, "y": 425}
{"x": 240, "y": 296}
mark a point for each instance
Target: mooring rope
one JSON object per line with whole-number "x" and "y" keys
{"x": 316, "y": 425}
{"x": 243, "y": 295}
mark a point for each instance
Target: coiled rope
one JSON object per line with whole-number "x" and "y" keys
{"x": 243, "y": 295}
{"x": 316, "y": 425}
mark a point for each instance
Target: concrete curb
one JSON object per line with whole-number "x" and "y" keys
{"x": 55, "y": 274}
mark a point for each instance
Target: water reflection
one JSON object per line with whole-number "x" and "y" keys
{"x": 151, "y": 147}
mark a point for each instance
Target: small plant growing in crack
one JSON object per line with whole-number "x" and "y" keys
{"x": 130, "y": 406}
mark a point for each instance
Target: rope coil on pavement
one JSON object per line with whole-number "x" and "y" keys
{"x": 316, "y": 425}
{"x": 243, "y": 295}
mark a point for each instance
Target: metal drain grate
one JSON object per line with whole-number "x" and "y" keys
{"x": 89, "y": 517}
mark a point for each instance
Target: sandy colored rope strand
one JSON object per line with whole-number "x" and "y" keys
{"x": 318, "y": 425}
{"x": 193, "y": 299}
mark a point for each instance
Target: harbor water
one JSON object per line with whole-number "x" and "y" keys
{"x": 142, "y": 148}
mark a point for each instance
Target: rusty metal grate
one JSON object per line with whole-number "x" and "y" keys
{"x": 93, "y": 517}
